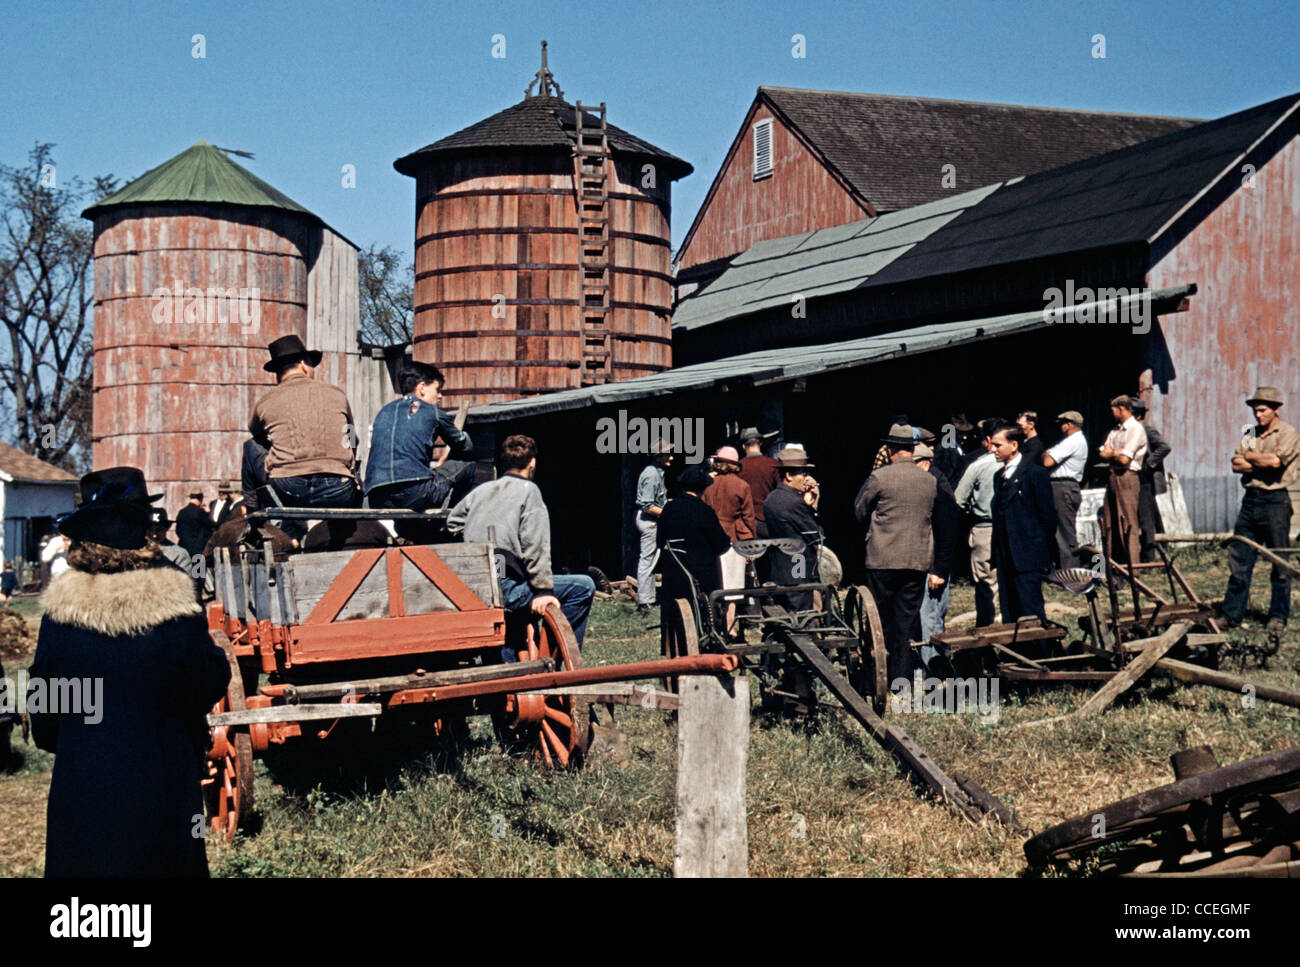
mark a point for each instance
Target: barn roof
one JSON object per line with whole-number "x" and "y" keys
{"x": 1130, "y": 195}
{"x": 892, "y": 149}
{"x": 1124, "y": 196}
{"x": 24, "y": 468}
{"x": 793, "y": 362}
{"x": 538, "y": 123}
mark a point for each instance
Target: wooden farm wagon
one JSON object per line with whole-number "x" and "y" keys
{"x": 416, "y": 631}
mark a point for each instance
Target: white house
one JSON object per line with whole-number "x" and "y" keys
{"x": 32, "y": 494}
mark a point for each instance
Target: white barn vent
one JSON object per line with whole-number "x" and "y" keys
{"x": 762, "y": 149}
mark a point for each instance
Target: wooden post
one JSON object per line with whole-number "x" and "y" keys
{"x": 712, "y": 755}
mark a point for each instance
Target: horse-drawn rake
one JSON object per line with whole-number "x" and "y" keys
{"x": 839, "y": 641}
{"x": 365, "y": 637}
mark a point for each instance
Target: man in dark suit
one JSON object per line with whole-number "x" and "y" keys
{"x": 790, "y": 514}
{"x": 194, "y": 525}
{"x": 1024, "y": 520}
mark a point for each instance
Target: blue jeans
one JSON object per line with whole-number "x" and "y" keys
{"x": 934, "y": 611}
{"x": 574, "y": 591}
{"x": 454, "y": 477}
{"x": 315, "y": 490}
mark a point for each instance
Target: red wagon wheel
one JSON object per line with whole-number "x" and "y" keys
{"x": 228, "y": 787}
{"x": 678, "y": 636}
{"x": 558, "y": 726}
{"x": 873, "y": 659}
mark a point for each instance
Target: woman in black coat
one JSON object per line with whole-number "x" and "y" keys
{"x": 699, "y": 539}
{"x": 125, "y": 797}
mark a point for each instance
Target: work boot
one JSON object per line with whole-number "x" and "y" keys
{"x": 1275, "y": 626}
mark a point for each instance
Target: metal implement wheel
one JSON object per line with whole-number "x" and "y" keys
{"x": 870, "y": 667}
{"x": 228, "y": 787}
{"x": 1199, "y": 801}
{"x": 557, "y": 726}
{"x": 678, "y": 636}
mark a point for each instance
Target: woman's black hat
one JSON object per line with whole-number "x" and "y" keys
{"x": 114, "y": 510}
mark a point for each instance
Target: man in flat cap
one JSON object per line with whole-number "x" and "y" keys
{"x": 897, "y": 503}
{"x": 307, "y": 429}
{"x": 1268, "y": 459}
{"x": 1066, "y": 461}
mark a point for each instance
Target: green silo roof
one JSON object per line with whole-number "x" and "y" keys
{"x": 202, "y": 174}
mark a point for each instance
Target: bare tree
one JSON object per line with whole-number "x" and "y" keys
{"x": 387, "y": 290}
{"x": 46, "y": 302}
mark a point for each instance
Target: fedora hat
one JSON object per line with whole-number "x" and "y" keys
{"x": 1267, "y": 395}
{"x": 126, "y": 483}
{"x": 794, "y": 457}
{"x": 750, "y": 433}
{"x": 727, "y": 455}
{"x": 287, "y": 349}
{"x": 900, "y": 435}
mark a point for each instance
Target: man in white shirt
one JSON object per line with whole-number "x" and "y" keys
{"x": 1125, "y": 447}
{"x": 1067, "y": 460}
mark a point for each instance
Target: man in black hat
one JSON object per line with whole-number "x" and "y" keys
{"x": 1152, "y": 480}
{"x": 159, "y": 524}
{"x": 306, "y": 426}
{"x": 760, "y": 472}
{"x": 1268, "y": 459}
{"x": 897, "y": 503}
{"x": 194, "y": 525}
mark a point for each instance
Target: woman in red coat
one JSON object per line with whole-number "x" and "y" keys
{"x": 123, "y": 677}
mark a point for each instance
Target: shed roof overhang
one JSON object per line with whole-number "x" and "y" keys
{"x": 786, "y": 364}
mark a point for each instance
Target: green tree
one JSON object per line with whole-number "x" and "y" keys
{"x": 46, "y": 303}
{"x": 387, "y": 289}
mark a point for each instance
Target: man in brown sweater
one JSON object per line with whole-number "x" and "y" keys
{"x": 306, "y": 426}
{"x": 760, "y": 473}
{"x": 732, "y": 501}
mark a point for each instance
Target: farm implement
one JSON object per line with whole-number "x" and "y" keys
{"x": 415, "y": 633}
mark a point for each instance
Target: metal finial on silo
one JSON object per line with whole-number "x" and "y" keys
{"x": 545, "y": 81}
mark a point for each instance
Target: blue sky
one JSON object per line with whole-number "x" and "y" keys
{"x": 311, "y": 87}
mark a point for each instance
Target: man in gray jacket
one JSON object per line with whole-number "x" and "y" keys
{"x": 512, "y": 507}
{"x": 897, "y": 502}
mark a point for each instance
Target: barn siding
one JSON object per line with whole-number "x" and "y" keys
{"x": 1242, "y": 330}
{"x": 800, "y": 196}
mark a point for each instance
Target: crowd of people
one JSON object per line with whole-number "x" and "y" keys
{"x": 1015, "y": 499}
{"x": 124, "y": 608}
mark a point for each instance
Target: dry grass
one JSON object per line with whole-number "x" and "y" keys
{"x": 824, "y": 800}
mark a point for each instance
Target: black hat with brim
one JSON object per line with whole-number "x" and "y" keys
{"x": 288, "y": 349}
{"x": 126, "y": 483}
{"x": 122, "y": 524}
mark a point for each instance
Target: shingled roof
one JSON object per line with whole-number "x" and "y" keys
{"x": 25, "y": 468}
{"x": 1130, "y": 195}
{"x": 892, "y": 149}
{"x": 541, "y": 123}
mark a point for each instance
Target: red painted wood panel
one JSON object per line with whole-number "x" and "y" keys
{"x": 801, "y": 195}
{"x": 1242, "y": 330}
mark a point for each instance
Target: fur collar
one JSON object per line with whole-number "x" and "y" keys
{"x": 125, "y": 603}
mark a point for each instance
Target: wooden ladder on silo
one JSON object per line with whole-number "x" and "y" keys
{"x": 589, "y": 181}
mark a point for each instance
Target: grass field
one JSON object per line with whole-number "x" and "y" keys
{"x": 823, "y": 799}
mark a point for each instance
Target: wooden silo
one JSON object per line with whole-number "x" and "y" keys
{"x": 542, "y": 250}
{"x": 198, "y": 264}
